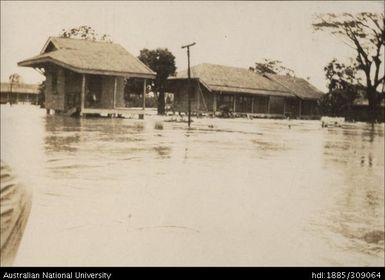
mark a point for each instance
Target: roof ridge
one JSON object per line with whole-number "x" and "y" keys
{"x": 278, "y": 82}
{"x": 287, "y": 76}
{"x": 254, "y": 88}
{"x": 87, "y": 40}
{"x": 222, "y": 65}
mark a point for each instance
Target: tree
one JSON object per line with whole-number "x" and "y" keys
{"x": 271, "y": 67}
{"x": 84, "y": 32}
{"x": 341, "y": 76}
{"x": 14, "y": 79}
{"x": 161, "y": 61}
{"x": 343, "y": 83}
{"x": 365, "y": 33}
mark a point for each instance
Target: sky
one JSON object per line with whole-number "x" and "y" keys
{"x": 233, "y": 33}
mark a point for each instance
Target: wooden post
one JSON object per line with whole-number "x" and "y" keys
{"x": 268, "y": 104}
{"x": 189, "y": 87}
{"x": 83, "y": 94}
{"x": 197, "y": 100}
{"x": 252, "y": 104}
{"x": 284, "y": 106}
{"x": 189, "y": 81}
{"x": 114, "y": 97}
{"x": 234, "y": 105}
{"x": 144, "y": 93}
{"x": 214, "y": 102}
{"x": 141, "y": 116}
{"x": 300, "y": 108}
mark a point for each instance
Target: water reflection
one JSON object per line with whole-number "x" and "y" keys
{"x": 61, "y": 123}
{"x": 163, "y": 151}
{"x": 358, "y": 210}
{"x": 255, "y": 191}
{"x": 59, "y": 143}
{"x": 270, "y": 147}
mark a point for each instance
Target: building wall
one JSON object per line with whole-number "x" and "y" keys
{"x": 204, "y": 98}
{"x": 225, "y": 100}
{"x": 180, "y": 99}
{"x": 261, "y": 104}
{"x": 244, "y": 103}
{"x": 67, "y": 92}
{"x": 54, "y": 95}
{"x": 120, "y": 92}
{"x": 292, "y": 107}
{"x": 201, "y": 99}
{"x": 309, "y": 108}
{"x": 17, "y": 97}
{"x": 362, "y": 113}
{"x": 4, "y": 97}
{"x": 73, "y": 88}
{"x": 276, "y": 105}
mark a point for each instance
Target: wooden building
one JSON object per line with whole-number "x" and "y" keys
{"x": 19, "y": 93}
{"x": 88, "y": 77}
{"x": 307, "y": 95}
{"x": 360, "y": 111}
{"x": 242, "y": 91}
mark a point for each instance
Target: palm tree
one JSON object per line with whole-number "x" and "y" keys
{"x": 14, "y": 79}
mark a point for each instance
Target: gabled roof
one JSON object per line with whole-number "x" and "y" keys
{"x": 300, "y": 87}
{"x": 92, "y": 57}
{"x": 241, "y": 80}
{"x": 20, "y": 88}
{"x": 233, "y": 79}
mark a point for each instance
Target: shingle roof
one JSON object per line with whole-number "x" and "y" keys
{"x": 300, "y": 87}
{"x": 234, "y": 79}
{"x": 85, "y": 56}
{"x": 20, "y": 88}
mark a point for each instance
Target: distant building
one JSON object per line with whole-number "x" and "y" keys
{"x": 360, "y": 108}
{"x": 87, "y": 77}
{"x": 215, "y": 87}
{"x": 19, "y": 93}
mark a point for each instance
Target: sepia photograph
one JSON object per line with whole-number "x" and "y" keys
{"x": 192, "y": 134}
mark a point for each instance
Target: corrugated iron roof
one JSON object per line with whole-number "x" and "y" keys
{"x": 85, "y": 56}
{"x": 234, "y": 79}
{"x": 242, "y": 80}
{"x": 250, "y": 91}
{"x": 300, "y": 87}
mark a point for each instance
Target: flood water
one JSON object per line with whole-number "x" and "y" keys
{"x": 118, "y": 192}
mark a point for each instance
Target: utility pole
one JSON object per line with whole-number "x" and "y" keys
{"x": 189, "y": 80}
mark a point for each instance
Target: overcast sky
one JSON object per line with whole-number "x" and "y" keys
{"x": 228, "y": 33}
